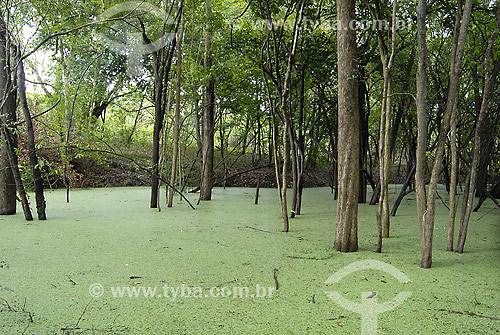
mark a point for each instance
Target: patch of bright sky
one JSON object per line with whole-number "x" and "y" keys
{"x": 41, "y": 60}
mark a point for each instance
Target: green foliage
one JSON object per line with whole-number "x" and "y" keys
{"x": 110, "y": 109}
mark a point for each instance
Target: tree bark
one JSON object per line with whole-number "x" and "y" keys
{"x": 295, "y": 172}
{"x": 300, "y": 140}
{"x": 422, "y": 126}
{"x": 7, "y": 182}
{"x": 208, "y": 113}
{"x": 162, "y": 62}
{"x": 175, "y": 143}
{"x": 363, "y": 137}
{"x": 453, "y": 144}
{"x": 7, "y": 137}
{"x": 489, "y": 83}
{"x": 403, "y": 191}
{"x": 427, "y": 218}
{"x": 37, "y": 175}
{"x": 385, "y": 126}
{"x": 346, "y": 232}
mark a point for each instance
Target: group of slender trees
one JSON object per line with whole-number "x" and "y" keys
{"x": 297, "y": 82}
{"x": 346, "y": 234}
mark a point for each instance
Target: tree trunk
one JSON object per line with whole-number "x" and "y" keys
{"x": 295, "y": 176}
{"x": 175, "y": 143}
{"x": 159, "y": 114}
{"x": 486, "y": 150}
{"x": 403, "y": 191}
{"x": 7, "y": 137}
{"x": 453, "y": 179}
{"x": 427, "y": 218}
{"x": 198, "y": 127}
{"x": 300, "y": 142}
{"x": 7, "y": 183}
{"x": 385, "y": 125}
{"x": 346, "y": 234}
{"x": 286, "y": 158}
{"x": 162, "y": 62}
{"x": 422, "y": 129}
{"x": 259, "y": 139}
{"x": 489, "y": 83}
{"x": 257, "y": 191}
{"x": 8, "y": 116}
{"x": 37, "y": 175}
{"x": 208, "y": 114}
{"x": 363, "y": 138}
{"x": 453, "y": 147}
{"x": 67, "y": 113}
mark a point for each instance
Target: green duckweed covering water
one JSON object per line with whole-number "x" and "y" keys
{"x": 110, "y": 237}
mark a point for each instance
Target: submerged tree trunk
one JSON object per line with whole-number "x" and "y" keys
{"x": 162, "y": 62}
{"x": 385, "y": 128}
{"x": 175, "y": 143}
{"x": 281, "y": 80}
{"x": 489, "y": 83}
{"x": 346, "y": 232}
{"x": 208, "y": 114}
{"x": 363, "y": 137}
{"x": 422, "y": 129}
{"x": 426, "y": 209}
{"x": 7, "y": 183}
{"x": 453, "y": 147}
{"x": 300, "y": 143}
{"x": 37, "y": 175}
{"x": 295, "y": 176}
{"x": 7, "y": 137}
{"x": 284, "y": 182}
{"x": 8, "y": 116}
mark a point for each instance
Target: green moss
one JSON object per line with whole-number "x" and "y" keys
{"x": 108, "y": 235}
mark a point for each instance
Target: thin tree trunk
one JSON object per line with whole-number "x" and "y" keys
{"x": 453, "y": 179}
{"x": 67, "y": 164}
{"x": 208, "y": 113}
{"x": 421, "y": 125}
{"x": 259, "y": 139}
{"x": 175, "y": 144}
{"x": 489, "y": 83}
{"x": 284, "y": 186}
{"x": 222, "y": 149}
{"x": 159, "y": 114}
{"x": 403, "y": 192}
{"x": 162, "y": 62}
{"x": 453, "y": 145}
{"x": 363, "y": 136}
{"x": 385, "y": 125}
{"x": 295, "y": 177}
{"x": 245, "y": 135}
{"x": 427, "y": 218}
{"x": 270, "y": 143}
{"x": 198, "y": 127}
{"x": 282, "y": 84}
{"x": 37, "y": 175}
{"x": 300, "y": 142}
{"x": 257, "y": 191}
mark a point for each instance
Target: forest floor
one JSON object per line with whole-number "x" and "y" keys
{"x": 115, "y": 172}
{"x": 66, "y": 275}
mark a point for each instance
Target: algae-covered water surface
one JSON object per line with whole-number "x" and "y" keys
{"x": 107, "y": 264}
